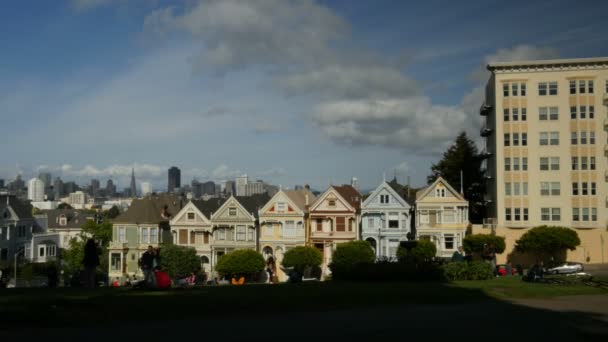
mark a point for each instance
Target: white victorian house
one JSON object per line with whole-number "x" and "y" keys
{"x": 442, "y": 216}
{"x": 385, "y": 219}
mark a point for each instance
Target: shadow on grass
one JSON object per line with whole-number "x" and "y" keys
{"x": 319, "y": 310}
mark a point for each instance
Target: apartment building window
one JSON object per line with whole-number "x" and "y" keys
{"x": 593, "y": 214}
{"x": 505, "y": 114}
{"x": 507, "y": 189}
{"x": 515, "y": 114}
{"x": 573, "y": 112}
{"x": 544, "y": 164}
{"x": 574, "y": 163}
{"x": 544, "y": 139}
{"x": 590, "y": 86}
{"x": 583, "y": 138}
{"x": 515, "y": 164}
{"x": 524, "y": 188}
{"x": 524, "y": 139}
{"x": 545, "y": 188}
{"x": 575, "y": 214}
{"x": 591, "y": 112}
{"x": 592, "y": 138}
{"x": 572, "y": 87}
{"x": 552, "y": 88}
{"x": 507, "y": 164}
{"x": 545, "y": 214}
{"x": 525, "y": 214}
{"x": 593, "y": 189}
{"x": 554, "y": 136}
{"x": 575, "y": 189}
{"x": 542, "y": 89}
{"x": 122, "y": 234}
{"x": 591, "y": 163}
{"x": 505, "y": 90}
{"x": 584, "y": 190}
{"x": 523, "y": 89}
{"x": 585, "y": 214}
{"x": 524, "y": 114}
{"x": 581, "y": 87}
{"x": 553, "y": 113}
{"x": 554, "y": 163}
{"x": 543, "y": 113}
{"x": 556, "y": 214}
{"x": 515, "y": 139}
{"x": 514, "y": 87}
{"x": 516, "y": 187}
{"x": 584, "y": 163}
{"x": 507, "y": 141}
{"x": 582, "y": 112}
{"x": 517, "y": 214}
{"x": 524, "y": 164}
{"x": 573, "y": 138}
{"x": 507, "y": 214}
{"x": 606, "y": 90}
{"x": 241, "y": 231}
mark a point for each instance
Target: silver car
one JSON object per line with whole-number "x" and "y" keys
{"x": 567, "y": 267}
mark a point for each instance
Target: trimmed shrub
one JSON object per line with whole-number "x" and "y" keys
{"x": 240, "y": 263}
{"x": 478, "y": 244}
{"x": 422, "y": 251}
{"x": 348, "y": 256}
{"x": 474, "y": 270}
{"x": 302, "y": 257}
{"x": 179, "y": 261}
{"x": 548, "y": 243}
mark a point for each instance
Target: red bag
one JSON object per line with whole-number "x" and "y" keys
{"x": 162, "y": 280}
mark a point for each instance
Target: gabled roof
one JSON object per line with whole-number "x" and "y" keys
{"x": 22, "y": 209}
{"x": 298, "y": 197}
{"x": 349, "y": 194}
{"x": 404, "y": 191}
{"x": 423, "y": 192}
{"x": 253, "y": 203}
{"x": 396, "y": 192}
{"x": 209, "y": 206}
{"x": 75, "y": 218}
{"x": 148, "y": 209}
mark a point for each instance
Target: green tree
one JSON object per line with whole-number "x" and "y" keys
{"x": 179, "y": 261}
{"x": 348, "y": 256}
{"x": 112, "y": 213}
{"x": 242, "y": 262}
{"x": 422, "y": 251}
{"x": 302, "y": 257}
{"x": 101, "y": 232}
{"x": 548, "y": 243}
{"x": 72, "y": 256}
{"x": 478, "y": 244}
{"x": 64, "y": 206}
{"x": 464, "y": 157}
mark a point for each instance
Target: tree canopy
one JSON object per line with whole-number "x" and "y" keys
{"x": 179, "y": 261}
{"x": 548, "y": 242}
{"x": 463, "y": 156}
{"x": 479, "y": 244}
{"x": 242, "y": 262}
{"x": 302, "y": 257}
{"x": 423, "y": 250}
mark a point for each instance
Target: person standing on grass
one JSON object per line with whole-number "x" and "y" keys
{"x": 147, "y": 266}
{"x": 90, "y": 262}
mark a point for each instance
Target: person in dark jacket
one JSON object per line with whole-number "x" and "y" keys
{"x": 147, "y": 266}
{"x": 90, "y": 262}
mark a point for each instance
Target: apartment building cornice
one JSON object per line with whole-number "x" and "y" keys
{"x": 549, "y": 65}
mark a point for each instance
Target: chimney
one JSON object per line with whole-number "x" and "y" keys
{"x": 306, "y": 199}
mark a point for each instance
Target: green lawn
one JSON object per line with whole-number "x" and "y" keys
{"x": 64, "y": 306}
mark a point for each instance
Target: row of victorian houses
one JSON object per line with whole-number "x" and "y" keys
{"x": 290, "y": 218}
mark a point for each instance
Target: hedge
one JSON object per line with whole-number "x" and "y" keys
{"x": 242, "y": 262}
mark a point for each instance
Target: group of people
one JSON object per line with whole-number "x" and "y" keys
{"x": 150, "y": 266}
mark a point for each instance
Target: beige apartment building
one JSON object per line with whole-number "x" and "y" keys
{"x": 546, "y": 150}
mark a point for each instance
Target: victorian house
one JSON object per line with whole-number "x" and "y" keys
{"x": 16, "y": 228}
{"x": 334, "y": 220}
{"x": 385, "y": 219}
{"x": 283, "y": 222}
{"x": 442, "y": 216}
{"x": 145, "y": 223}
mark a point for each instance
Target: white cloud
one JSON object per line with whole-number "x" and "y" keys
{"x": 223, "y": 172}
{"x": 267, "y": 126}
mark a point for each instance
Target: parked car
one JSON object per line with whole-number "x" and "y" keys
{"x": 567, "y": 267}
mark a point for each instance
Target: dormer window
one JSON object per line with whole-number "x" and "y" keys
{"x": 232, "y": 211}
{"x": 331, "y": 202}
{"x": 439, "y": 192}
{"x": 384, "y": 199}
{"x": 190, "y": 216}
{"x": 281, "y": 206}
{"x": 63, "y": 220}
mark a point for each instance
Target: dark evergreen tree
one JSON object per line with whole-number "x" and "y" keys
{"x": 463, "y": 156}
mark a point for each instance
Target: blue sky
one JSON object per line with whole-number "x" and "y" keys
{"x": 292, "y": 92}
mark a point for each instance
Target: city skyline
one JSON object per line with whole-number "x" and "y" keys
{"x": 147, "y": 85}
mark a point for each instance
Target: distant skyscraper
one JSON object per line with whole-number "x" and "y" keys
{"x": 58, "y": 188}
{"x": 146, "y": 188}
{"x": 70, "y": 187}
{"x": 197, "y": 188}
{"x": 1, "y": 183}
{"x": 46, "y": 178}
{"x": 241, "y": 185}
{"x": 175, "y": 179}
{"x": 209, "y": 188}
{"x": 254, "y": 188}
{"x": 35, "y": 190}
{"x": 133, "y": 188}
{"x": 110, "y": 188}
{"x": 230, "y": 188}
{"x": 95, "y": 185}
{"x": 17, "y": 185}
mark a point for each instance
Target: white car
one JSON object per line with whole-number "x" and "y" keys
{"x": 566, "y": 268}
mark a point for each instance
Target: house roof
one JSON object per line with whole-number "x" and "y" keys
{"x": 149, "y": 209}
{"x": 298, "y": 197}
{"x": 253, "y": 203}
{"x": 350, "y": 194}
{"x": 570, "y": 61}
{"x": 403, "y": 191}
{"x": 209, "y": 206}
{"x": 75, "y": 218}
{"x": 21, "y": 208}
{"x": 424, "y": 191}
